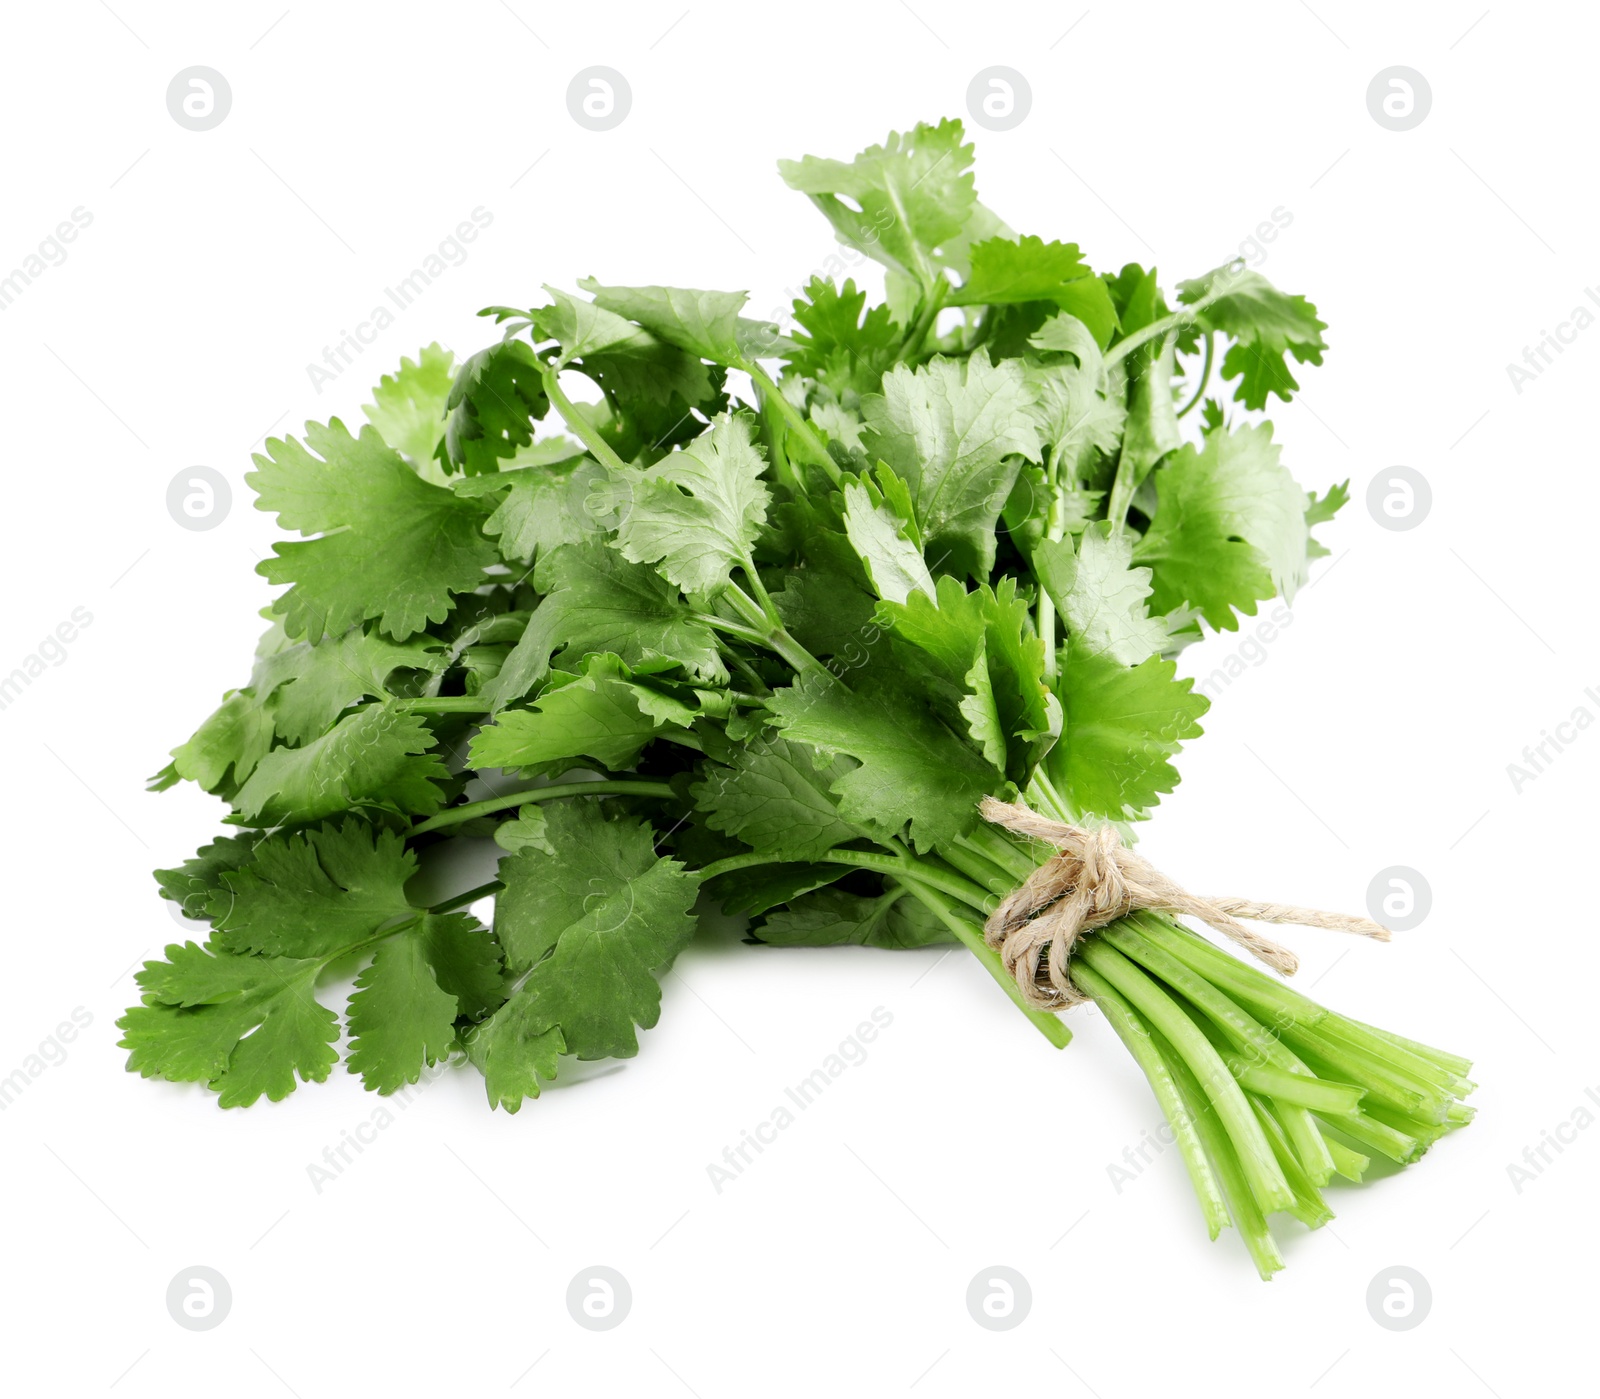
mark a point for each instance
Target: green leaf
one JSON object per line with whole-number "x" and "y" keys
{"x": 595, "y": 601}
{"x": 910, "y": 195}
{"x": 623, "y": 358}
{"x": 912, "y": 768}
{"x": 245, "y": 1026}
{"x": 1122, "y": 724}
{"x": 497, "y": 397}
{"x": 1010, "y": 270}
{"x": 587, "y": 929}
{"x": 313, "y": 893}
{"x": 705, "y": 323}
{"x": 394, "y": 546}
{"x": 376, "y": 757}
{"x": 226, "y": 747}
{"x": 1321, "y": 509}
{"x": 1079, "y": 419}
{"x": 1229, "y": 529}
{"x": 544, "y": 506}
{"x": 950, "y": 430}
{"x": 977, "y": 656}
{"x": 845, "y": 347}
{"x": 776, "y": 797}
{"x": 833, "y": 918}
{"x": 401, "y": 1016}
{"x": 601, "y": 715}
{"x": 192, "y": 883}
{"x": 408, "y": 407}
{"x": 1100, "y": 595}
{"x": 1264, "y": 324}
{"x": 695, "y": 514}
{"x": 881, "y": 538}
{"x": 527, "y": 827}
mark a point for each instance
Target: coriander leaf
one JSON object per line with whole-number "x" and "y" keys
{"x": 948, "y": 429}
{"x": 192, "y": 883}
{"x": 705, "y": 323}
{"x": 408, "y": 407}
{"x": 776, "y": 797}
{"x": 842, "y": 348}
{"x": 977, "y": 655}
{"x": 1263, "y": 324}
{"x": 1321, "y": 509}
{"x": 598, "y": 715}
{"x": 833, "y": 918}
{"x": 307, "y": 687}
{"x": 313, "y": 893}
{"x": 526, "y": 828}
{"x": 1101, "y": 595}
{"x": 1121, "y": 725}
{"x": 696, "y": 513}
{"x": 466, "y": 961}
{"x": 1229, "y": 529}
{"x": 912, "y": 768}
{"x": 823, "y": 604}
{"x": 226, "y": 747}
{"x": 544, "y": 506}
{"x": 376, "y": 757}
{"x": 587, "y": 929}
{"x": 1078, "y": 419}
{"x": 595, "y": 601}
{"x": 910, "y": 195}
{"x": 880, "y": 537}
{"x": 402, "y": 1017}
{"x": 762, "y": 887}
{"x": 497, "y": 396}
{"x": 394, "y": 546}
{"x": 624, "y": 359}
{"x": 1009, "y": 270}
{"x": 245, "y": 1026}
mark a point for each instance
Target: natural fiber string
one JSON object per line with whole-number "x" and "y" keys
{"x": 1094, "y": 879}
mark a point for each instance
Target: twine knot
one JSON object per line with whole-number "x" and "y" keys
{"x": 1093, "y": 880}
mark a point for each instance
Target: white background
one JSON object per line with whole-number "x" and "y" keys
{"x": 1376, "y": 731}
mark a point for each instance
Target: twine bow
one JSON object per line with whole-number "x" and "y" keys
{"x": 1094, "y": 879}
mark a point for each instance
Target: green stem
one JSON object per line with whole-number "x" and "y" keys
{"x": 582, "y": 428}
{"x": 444, "y": 704}
{"x": 932, "y": 304}
{"x": 1156, "y": 329}
{"x": 494, "y": 886}
{"x": 1050, "y": 1025}
{"x": 1267, "y": 1185}
{"x": 1205, "y": 378}
{"x": 1132, "y": 1031}
{"x": 618, "y": 787}
{"x": 768, "y": 627}
{"x": 813, "y": 450}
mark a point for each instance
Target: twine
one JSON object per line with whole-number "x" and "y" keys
{"x": 1094, "y": 879}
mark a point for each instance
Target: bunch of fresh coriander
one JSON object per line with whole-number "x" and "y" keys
{"x": 756, "y": 621}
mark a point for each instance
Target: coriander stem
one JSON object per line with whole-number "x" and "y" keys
{"x": 585, "y": 431}
{"x": 1050, "y": 1025}
{"x": 1176, "y": 321}
{"x": 443, "y": 704}
{"x": 1133, "y": 1032}
{"x": 814, "y": 451}
{"x": 932, "y": 304}
{"x": 616, "y": 787}
{"x": 1205, "y": 378}
{"x": 765, "y": 622}
{"x": 494, "y": 886}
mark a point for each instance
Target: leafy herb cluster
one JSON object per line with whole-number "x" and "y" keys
{"x": 756, "y": 617}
